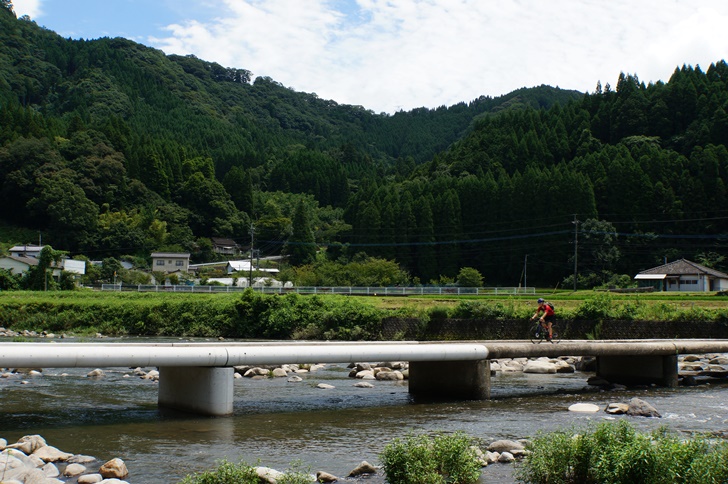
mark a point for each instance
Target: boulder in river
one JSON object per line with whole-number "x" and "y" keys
{"x": 115, "y": 468}
{"x": 640, "y": 408}
{"x": 363, "y": 468}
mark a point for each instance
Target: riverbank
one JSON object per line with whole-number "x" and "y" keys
{"x": 252, "y": 315}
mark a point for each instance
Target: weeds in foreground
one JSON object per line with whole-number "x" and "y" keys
{"x": 229, "y": 473}
{"x": 420, "y": 459}
{"x": 617, "y": 453}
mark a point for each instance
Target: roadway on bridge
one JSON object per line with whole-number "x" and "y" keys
{"x": 225, "y": 354}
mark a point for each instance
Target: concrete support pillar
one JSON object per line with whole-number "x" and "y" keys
{"x": 456, "y": 380}
{"x": 639, "y": 370}
{"x": 201, "y": 390}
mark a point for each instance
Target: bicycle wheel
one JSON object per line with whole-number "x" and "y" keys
{"x": 536, "y": 334}
{"x": 555, "y": 338}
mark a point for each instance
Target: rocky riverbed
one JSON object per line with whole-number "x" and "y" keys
{"x": 694, "y": 370}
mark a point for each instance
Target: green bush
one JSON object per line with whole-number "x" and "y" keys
{"x": 419, "y": 459}
{"x": 484, "y": 310}
{"x": 225, "y": 473}
{"x": 597, "y": 307}
{"x": 228, "y": 473}
{"x": 618, "y": 454}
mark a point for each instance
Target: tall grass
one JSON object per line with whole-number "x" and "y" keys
{"x": 619, "y": 454}
{"x": 421, "y": 459}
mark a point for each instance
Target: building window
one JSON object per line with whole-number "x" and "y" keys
{"x": 690, "y": 281}
{"x": 160, "y": 262}
{"x": 179, "y": 263}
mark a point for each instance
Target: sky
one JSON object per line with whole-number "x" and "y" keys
{"x": 391, "y": 55}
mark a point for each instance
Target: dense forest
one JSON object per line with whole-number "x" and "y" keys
{"x": 111, "y": 149}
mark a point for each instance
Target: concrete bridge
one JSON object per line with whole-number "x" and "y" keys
{"x": 198, "y": 377}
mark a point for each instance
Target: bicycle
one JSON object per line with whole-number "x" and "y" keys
{"x": 538, "y": 333}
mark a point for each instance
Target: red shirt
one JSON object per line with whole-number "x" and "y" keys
{"x": 547, "y": 310}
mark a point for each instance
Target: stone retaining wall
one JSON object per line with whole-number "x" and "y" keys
{"x": 466, "y": 329}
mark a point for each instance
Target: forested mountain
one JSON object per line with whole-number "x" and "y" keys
{"x": 109, "y": 147}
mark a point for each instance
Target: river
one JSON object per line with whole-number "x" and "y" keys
{"x": 277, "y": 423}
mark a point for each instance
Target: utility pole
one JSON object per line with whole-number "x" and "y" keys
{"x": 252, "y": 236}
{"x": 576, "y": 244}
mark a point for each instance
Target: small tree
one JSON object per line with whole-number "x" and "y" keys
{"x": 469, "y": 277}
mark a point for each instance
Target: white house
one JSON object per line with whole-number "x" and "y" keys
{"x": 20, "y": 265}
{"x": 170, "y": 261}
{"x": 245, "y": 266}
{"x": 683, "y": 275}
{"x": 27, "y": 250}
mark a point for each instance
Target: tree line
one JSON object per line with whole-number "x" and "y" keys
{"x": 111, "y": 148}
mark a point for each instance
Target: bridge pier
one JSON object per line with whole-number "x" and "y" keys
{"x": 639, "y": 369}
{"x": 194, "y": 389}
{"x": 457, "y": 380}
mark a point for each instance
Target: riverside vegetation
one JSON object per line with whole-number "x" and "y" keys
{"x": 608, "y": 452}
{"x": 328, "y": 317}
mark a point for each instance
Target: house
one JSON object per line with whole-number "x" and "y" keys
{"x": 27, "y": 250}
{"x": 20, "y": 265}
{"x": 683, "y": 275}
{"x": 17, "y": 264}
{"x": 224, "y": 246}
{"x": 245, "y": 266}
{"x": 170, "y": 262}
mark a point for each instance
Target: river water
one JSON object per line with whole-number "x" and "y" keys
{"x": 277, "y": 423}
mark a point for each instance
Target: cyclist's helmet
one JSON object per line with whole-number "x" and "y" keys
{"x": 540, "y": 300}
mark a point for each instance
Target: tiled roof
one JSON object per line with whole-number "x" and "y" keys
{"x": 178, "y": 255}
{"x": 684, "y": 267}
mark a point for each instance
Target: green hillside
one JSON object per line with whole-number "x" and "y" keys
{"x": 110, "y": 148}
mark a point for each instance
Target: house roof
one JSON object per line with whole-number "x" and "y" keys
{"x": 684, "y": 267}
{"x": 223, "y": 242}
{"x": 178, "y": 255}
{"x": 30, "y": 261}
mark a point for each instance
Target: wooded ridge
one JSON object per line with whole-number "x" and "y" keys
{"x": 113, "y": 149}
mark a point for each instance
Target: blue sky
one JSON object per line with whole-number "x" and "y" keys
{"x": 388, "y": 55}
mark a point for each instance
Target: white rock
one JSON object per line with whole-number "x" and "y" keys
{"x": 73, "y": 470}
{"x": 294, "y": 379}
{"x": 539, "y": 367}
{"x": 52, "y": 454}
{"x": 81, "y": 459}
{"x": 279, "y": 373}
{"x": 114, "y": 468}
{"x": 492, "y": 457}
{"x": 266, "y": 474}
{"x": 28, "y": 444}
{"x": 389, "y": 376}
{"x": 363, "y": 384}
{"x": 90, "y": 479}
{"x": 325, "y": 386}
{"x": 584, "y": 408}
{"x": 365, "y": 374}
{"x": 151, "y": 375}
{"x": 506, "y": 457}
{"x": 97, "y": 373}
{"x": 617, "y": 408}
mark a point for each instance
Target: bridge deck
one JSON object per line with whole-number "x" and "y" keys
{"x": 226, "y": 354}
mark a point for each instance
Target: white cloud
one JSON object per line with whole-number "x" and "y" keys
{"x": 31, "y": 8}
{"x": 387, "y": 55}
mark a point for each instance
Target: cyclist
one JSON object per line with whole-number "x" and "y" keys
{"x": 547, "y": 319}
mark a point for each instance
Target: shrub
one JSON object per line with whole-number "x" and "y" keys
{"x": 617, "y": 453}
{"x": 419, "y": 459}
{"x": 599, "y": 306}
{"x": 483, "y": 310}
{"x": 225, "y": 472}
